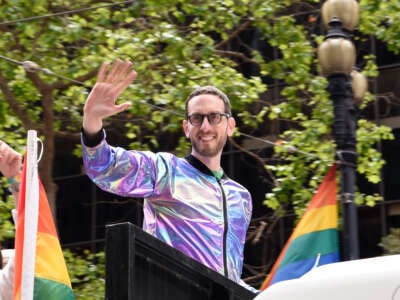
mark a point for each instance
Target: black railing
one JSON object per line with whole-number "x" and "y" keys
{"x": 139, "y": 266}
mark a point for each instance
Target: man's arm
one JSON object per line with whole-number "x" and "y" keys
{"x": 10, "y": 167}
{"x": 7, "y": 280}
{"x": 10, "y": 161}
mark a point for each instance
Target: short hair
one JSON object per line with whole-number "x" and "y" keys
{"x": 209, "y": 90}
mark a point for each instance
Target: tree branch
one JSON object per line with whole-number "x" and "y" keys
{"x": 14, "y": 105}
{"x": 258, "y": 160}
{"x": 64, "y": 84}
{"x": 234, "y": 34}
{"x": 72, "y": 136}
{"x": 237, "y": 55}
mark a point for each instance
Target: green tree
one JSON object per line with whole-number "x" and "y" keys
{"x": 48, "y": 65}
{"x": 391, "y": 242}
{"x": 87, "y": 274}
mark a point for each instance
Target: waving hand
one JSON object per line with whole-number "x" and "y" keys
{"x": 112, "y": 80}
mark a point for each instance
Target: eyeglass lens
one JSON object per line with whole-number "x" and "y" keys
{"x": 213, "y": 118}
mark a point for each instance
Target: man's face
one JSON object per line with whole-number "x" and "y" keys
{"x": 207, "y": 139}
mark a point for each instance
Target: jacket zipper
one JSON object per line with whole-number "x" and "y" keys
{"x": 225, "y": 211}
{"x": 203, "y": 168}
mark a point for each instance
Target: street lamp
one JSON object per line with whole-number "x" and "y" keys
{"x": 336, "y": 56}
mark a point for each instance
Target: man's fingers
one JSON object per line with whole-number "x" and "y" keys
{"x": 115, "y": 71}
{"x": 125, "y": 69}
{"x": 13, "y": 158}
{"x": 102, "y": 72}
{"x": 10, "y": 160}
{"x": 123, "y": 106}
{"x": 112, "y": 81}
{"x": 119, "y": 71}
{"x": 122, "y": 85}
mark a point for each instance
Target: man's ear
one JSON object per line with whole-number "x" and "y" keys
{"x": 231, "y": 126}
{"x": 185, "y": 127}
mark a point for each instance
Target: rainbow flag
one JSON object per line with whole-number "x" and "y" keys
{"x": 40, "y": 269}
{"x": 315, "y": 240}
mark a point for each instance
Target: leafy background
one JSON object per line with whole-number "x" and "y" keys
{"x": 261, "y": 53}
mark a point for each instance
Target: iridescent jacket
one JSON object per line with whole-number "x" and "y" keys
{"x": 184, "y": 204}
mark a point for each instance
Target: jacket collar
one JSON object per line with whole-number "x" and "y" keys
{"x": 195, "y": 162}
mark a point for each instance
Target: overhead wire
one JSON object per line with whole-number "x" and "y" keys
{"x": 78, "y": 10}
{"x": 68, "y": 12}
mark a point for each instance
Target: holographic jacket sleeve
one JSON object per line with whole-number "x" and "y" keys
{"x": 184, "y": 204}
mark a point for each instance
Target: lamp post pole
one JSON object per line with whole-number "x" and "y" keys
{"x": 344, "y": 130}
{"x": 336, "y": 56}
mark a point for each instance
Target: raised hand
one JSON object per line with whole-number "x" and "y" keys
{"x": 10, "y": 161}
{"x": 101, "y": 102}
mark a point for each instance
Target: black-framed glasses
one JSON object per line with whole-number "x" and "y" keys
{"x": 213, "y": 118}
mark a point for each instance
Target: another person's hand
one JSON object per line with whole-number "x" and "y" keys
{"x": 101, "y": 102}
{"x": 10, "y": 161}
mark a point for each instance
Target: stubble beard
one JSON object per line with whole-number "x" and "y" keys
{"x": 208, "y": 150}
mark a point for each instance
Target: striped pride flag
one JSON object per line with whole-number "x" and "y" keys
{"x": 40, "y": 269}
{"x": 315, "y": 240}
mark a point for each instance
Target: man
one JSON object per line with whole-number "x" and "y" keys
{"x": 189, "y": 203}
{"x": 10, "y": 167}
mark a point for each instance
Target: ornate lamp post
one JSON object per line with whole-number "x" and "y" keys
{"x": 337, "y": 57}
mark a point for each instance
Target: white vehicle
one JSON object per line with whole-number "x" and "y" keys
{"x": 376, "y": 278}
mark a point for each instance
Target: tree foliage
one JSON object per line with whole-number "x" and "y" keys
{"x": 261, "y": 53}
{"x": 87, "y": 274}
{"x": 7, "y": 226}
{"x": 391, "y": 242}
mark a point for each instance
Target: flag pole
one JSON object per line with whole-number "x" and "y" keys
{"x": 31, "y": 222}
